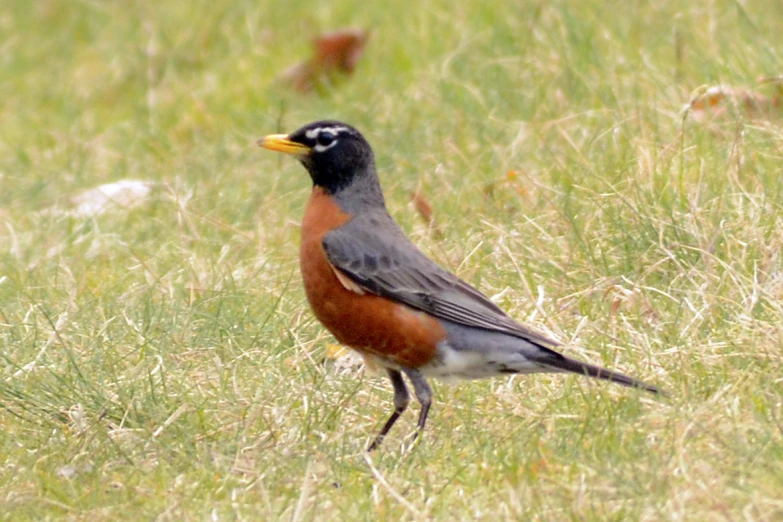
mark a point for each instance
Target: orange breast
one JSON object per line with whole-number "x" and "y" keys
{"x": 370, "y": 324}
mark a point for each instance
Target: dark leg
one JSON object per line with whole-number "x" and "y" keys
{"x": 401, "y": 400}
{"x": 424, "y": 396}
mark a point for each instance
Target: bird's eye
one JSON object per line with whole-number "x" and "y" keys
{"x": 325, "y": 139}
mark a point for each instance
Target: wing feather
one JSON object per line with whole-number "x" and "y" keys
{"x": 377, "y": 256}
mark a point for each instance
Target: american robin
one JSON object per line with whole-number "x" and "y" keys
{"x": 377, "y": 293}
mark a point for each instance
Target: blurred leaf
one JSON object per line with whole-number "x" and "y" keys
{"x": 336, "y": 53}
{"x": 424, "y": 209}
{"x": 718, "y": 101}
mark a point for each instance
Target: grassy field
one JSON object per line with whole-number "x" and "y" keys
{"x": 158, "y": 359}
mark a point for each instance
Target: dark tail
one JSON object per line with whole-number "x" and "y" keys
{"x": 583, "y": 368}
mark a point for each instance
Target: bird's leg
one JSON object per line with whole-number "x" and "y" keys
{"x": 424, "y": 396}
{"x": 401, "y": 400}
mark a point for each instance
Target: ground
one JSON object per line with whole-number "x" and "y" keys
{"x": 157, "y": 357}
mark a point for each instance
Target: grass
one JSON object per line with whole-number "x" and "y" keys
{"x": 160, "y": 361}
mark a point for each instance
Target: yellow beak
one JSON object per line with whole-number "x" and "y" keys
{"x": 281, "y": 143}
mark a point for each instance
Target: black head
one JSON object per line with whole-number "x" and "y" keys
{"x": 335, "y": 154}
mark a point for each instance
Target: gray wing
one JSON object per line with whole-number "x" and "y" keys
{"x": 375, "y": 254}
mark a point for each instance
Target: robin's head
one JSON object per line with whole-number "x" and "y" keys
{"x": 335, "y": 154}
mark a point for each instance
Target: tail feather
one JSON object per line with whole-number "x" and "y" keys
{"x": 583, "y": 368}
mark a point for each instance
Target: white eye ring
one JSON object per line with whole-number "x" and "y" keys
{"x": 325, "y": 138}
{"x": 325, "y": 141}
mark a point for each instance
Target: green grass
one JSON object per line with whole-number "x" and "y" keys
{"x": 160, "y": 361}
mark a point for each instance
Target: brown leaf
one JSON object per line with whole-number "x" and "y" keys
{"x": 422, "y": 206}
{"x": 340, "y": 50}
{"x": 719, "y": 100}
{"x": 335, "y": 53}
{"x": 424, "y": 209}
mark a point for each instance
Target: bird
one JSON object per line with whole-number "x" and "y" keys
{"x": 380, "y": 295}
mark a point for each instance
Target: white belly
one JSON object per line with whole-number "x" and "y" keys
{"x": 475, "y": 364}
